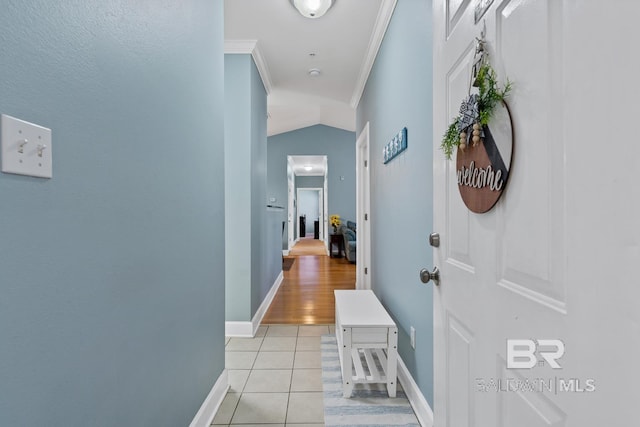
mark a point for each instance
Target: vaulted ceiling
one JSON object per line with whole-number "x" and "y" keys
{"x": 342, "y": 45}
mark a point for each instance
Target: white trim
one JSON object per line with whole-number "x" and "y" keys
{"x": 285, "y": 252}
{"x": 251, "y": 47}
{"x": 291, "y": 205}
{"x": 262, "y": 310}
{"x": 245, "y": 329}
{"x": 363, "y": 206}
{"x": 238, "y": 329}
{"x": 212, "y": 403}
{"x": 416, "y": 398}
{"x": 325, "y": 205}
{"x": 380, "y": 28}
{"x": 322, "y": 212}
{"x": 261, "y": 65}
{"x": 240, "y": 46}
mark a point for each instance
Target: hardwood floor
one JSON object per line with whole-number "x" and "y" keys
{"x": 308, "y": 247}
{"x": 306, "y": 294}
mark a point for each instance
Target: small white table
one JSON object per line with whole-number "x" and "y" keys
{"x": 363, "y": 327}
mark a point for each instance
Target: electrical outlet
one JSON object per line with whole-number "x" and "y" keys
{"x": 413, "y": 338}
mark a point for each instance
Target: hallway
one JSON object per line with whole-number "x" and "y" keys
{"x": 306, "y": 294}
{"x": 275, "y": 377}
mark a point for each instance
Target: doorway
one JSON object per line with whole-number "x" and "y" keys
{"x": 310, "y": 213}
{"x": 309, "y": 174}
{"x": 363, "y": 207}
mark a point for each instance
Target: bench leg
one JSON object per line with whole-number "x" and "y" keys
{"x": 347, "y": 363}
{"x": 392, "y": 362}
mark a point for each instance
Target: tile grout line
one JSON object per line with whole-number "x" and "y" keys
{"x": 293, "y": 369}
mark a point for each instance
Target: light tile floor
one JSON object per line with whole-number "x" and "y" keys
{"x": 275, "y": 378}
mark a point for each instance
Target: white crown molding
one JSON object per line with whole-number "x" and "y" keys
{"x": 251, "y": 47}
{"x": 240, "y": 46}
{"x": 380, "y": 28}
{"x": 262, "y": 69}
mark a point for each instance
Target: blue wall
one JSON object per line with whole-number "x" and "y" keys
{"x": 272, "y": 253}
{"x": 309, "y": 182}
{"x": 112, "y": 272}
{"x": 238, "y": 181}
{"x": 339, "y": 147}
{"x": 250, "y": 232}
{"x": 398, "y": 94}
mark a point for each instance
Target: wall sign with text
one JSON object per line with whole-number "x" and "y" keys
{"x": 394, "y": 147}
{"x": 483, "y": 170}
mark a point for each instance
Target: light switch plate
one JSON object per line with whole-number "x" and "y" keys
{"x": 26, "y": 148}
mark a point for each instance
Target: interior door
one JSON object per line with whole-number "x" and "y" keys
{"x": 551, "y": 264}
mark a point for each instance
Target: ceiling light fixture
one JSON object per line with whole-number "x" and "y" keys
{"x": 308, "y": 168}
{"x": 312, "y": 8}
{"x": 314, "y": 72}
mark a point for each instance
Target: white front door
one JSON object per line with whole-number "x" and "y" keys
{"x": 556, "y": 258}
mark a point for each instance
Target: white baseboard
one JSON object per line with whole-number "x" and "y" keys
{"x": 212, "y": 403}
{"x": 248, "y": 329}
{"x": 285, "y": 252}
{"x": 238, "y": 329}
{"x": 262, "y": 310}
{"x": 416, "y": 398}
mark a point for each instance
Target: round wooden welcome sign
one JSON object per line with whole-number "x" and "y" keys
{"x": 483, "y": 170}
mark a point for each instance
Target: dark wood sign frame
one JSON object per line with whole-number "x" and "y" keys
{"x": 482, "y": 171}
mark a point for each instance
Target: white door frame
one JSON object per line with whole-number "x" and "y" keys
{"x": 320, "y": 208}
{"x": 363, "y": 209}
{"x": 325, "y": 198}
{"x": 291, "y": 185}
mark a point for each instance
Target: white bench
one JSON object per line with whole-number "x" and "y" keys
{"x": 363, "y": 327}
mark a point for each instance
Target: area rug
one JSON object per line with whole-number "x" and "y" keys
{"x": 369, "y": 404}
{"x": 287, "y": 263}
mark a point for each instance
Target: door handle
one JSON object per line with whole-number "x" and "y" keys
{"x": 426, "y": 276}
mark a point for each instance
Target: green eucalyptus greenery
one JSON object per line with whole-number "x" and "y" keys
{"x": 451, "y": 138}
{"x": 489, "y": 95}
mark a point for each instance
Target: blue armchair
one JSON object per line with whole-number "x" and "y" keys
{"x": 349, "y": 233}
